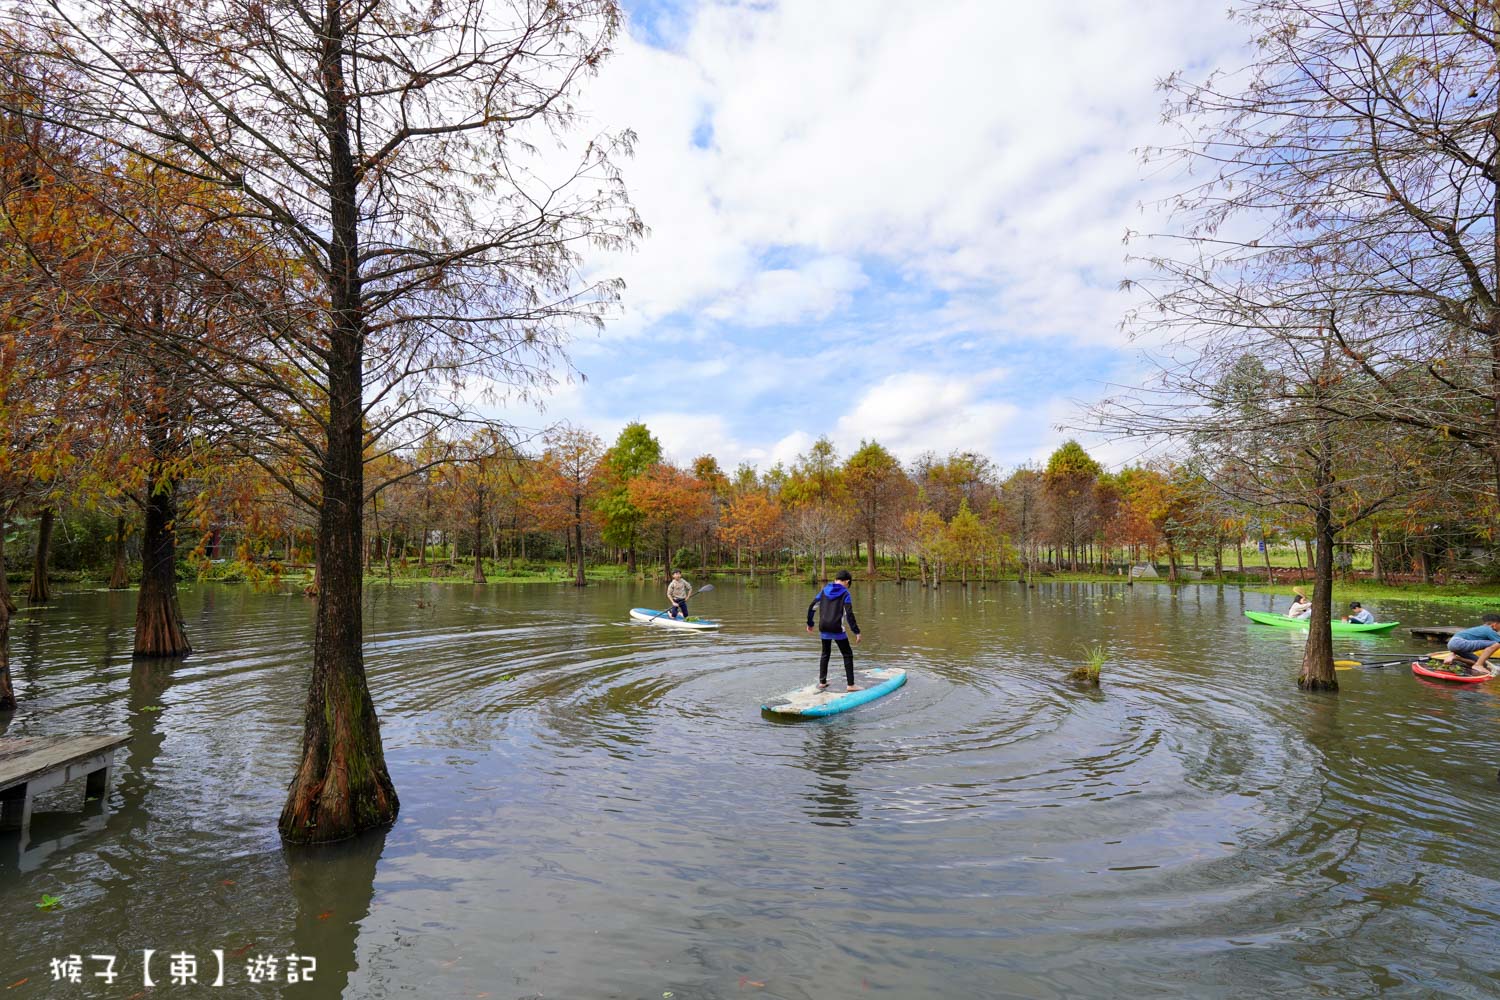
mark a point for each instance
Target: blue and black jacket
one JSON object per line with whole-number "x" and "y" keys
{"x": 833, "y": 606}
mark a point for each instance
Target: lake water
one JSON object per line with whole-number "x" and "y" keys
{"x": 593, "y": 809}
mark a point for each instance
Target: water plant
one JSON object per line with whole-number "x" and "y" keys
{"x": 1087, "y": 672}
{"x": 49, "y": 902}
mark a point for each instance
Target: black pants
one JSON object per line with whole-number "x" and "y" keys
{"x": 848, "y": 653}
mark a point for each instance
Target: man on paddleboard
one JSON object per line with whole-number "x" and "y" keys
{"x": 833, "y": 607}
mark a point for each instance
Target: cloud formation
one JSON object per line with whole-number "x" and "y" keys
{"x": 871, "y": 201}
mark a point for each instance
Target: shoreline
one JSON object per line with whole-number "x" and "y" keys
{"x": 1477, "y": 595}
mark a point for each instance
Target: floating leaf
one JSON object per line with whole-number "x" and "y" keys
{"x": 152, "y": 708}
{"x": 49, "y": 902}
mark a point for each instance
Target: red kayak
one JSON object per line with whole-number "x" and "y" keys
{"x": 1448, "y": 675}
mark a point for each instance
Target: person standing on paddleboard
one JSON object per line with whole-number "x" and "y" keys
{"x": 833, "y": 607}
{"x": 678, "y": 592}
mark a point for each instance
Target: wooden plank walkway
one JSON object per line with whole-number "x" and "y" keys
{"x": 1437, "y": 633}
{"x": 29, "y": 765}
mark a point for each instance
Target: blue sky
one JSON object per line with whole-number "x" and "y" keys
{"x": 890, "y": 220}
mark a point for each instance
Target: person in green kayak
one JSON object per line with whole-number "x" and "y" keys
{"x": 833, "y": 607}
{"x": 1358, "y": 615}
{"x": 1301, "y": 606}
{"x": 1478, "y": 643}
{"x": 678, "y": 592}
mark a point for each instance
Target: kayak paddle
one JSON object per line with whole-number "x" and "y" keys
{"x": 1403, "y": 661}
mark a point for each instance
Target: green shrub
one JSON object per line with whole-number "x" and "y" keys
{"x": 1087, "y": 672}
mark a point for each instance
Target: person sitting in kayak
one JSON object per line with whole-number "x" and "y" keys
{"x": 833, "y": 607}
{"x": 1301, "y": 606}
{"x": 678, "y": 592}
{"x": 1475, "y": 646}
{"x": 1358, "y": 615}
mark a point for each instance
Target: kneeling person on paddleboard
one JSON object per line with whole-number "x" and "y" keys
{"x": 833, "y": 607}
{"x": 678, "y": 592}
{"x": 1480, "y": 642}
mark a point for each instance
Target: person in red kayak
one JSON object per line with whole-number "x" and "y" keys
{"x": 833, "y": 607}
{"x": 1479, "y": 642}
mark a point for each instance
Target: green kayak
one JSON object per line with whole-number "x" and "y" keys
{"x": 1266, "y": 618}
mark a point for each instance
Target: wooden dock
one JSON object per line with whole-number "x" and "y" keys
{"x": 29, "y": 765}
{"x": 1437, "y": 633}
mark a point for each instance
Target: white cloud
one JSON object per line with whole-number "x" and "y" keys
{"x": 914, "y": 412}
{"x": 976, "y": 145}
{"x": 786, "y": 295}
{"x": 946, "y": 183}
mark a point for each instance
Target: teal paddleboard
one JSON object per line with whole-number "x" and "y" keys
{"x": 811, "y": 702}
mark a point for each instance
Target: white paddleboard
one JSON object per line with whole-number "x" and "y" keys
{"x": 652, "y": 616}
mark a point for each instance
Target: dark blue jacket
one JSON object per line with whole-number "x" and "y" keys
{"x": 837, "y": 607}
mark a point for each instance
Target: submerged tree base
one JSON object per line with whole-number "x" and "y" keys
{"x": 1307, "y": 683}
{"x": 1084, "y": 676}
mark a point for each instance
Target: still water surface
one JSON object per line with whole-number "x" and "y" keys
{"x": 595, "y": 809}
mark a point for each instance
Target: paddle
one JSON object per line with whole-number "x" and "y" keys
{"x": 1350, "y": 664}
{"x": 701, "y": 590}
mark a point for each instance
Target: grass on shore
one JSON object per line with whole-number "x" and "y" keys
{"x": 1479, "y": 596}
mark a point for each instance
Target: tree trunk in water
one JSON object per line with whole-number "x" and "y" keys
{"x": 1317, "y": 659}
{"x": 5, "y": 598}
{"x": 7, "y": 689}
{"x": 870, "y": 557}
{"x": 40, "y": 591}
{"x": 119, "y": 579}
{"x": 1239, "y": 555}
{"x": 630, "y": 557}
{"x": 479, "y": 549}
{"x": 341, "y": 787}
{"x": 1172, "y": 563}
{"x": 579, "y": 580}
{"x": 158, "y": 618}
{"x": 922, "y": 570}
{"x": 1376, "y": 563}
